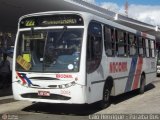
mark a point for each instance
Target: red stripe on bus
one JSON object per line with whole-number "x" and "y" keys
{"x": 138, "y": 73}
{"x": 23, "y": 80}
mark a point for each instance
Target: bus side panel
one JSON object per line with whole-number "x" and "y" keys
{"x": 126, "y": 78}
{"x": 96, "y": 80}
{"x": 118, "y": 69}
{"x": 119, "y": 86}
{"x": 149, "y": 68}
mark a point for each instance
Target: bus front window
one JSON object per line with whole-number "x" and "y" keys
{"x": 49, "y": 51}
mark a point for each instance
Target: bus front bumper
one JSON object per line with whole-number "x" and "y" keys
{"x": 71, "y": 95}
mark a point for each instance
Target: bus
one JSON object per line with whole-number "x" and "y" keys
{"x": 74, "y": 57}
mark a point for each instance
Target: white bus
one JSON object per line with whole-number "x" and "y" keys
{"x": 76, "y": 57}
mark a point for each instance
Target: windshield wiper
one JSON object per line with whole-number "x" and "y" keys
{"x": 44, "y": 53}
{"x": 61, "y": 35}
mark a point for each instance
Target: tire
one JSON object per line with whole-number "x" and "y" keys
{"x": 105, "y": 102}
{"x": 142, "y": 85}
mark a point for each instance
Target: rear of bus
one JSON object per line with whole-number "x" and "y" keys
{"x": 48, "y": 64}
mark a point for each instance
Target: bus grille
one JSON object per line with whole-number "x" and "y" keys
{"x": 52, "y": 96}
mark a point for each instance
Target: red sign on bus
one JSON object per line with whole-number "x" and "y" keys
{"x": 63, "y": 76}
{"x": 116, "y": 67}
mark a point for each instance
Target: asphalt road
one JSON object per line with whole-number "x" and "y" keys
{"x": 129, "y": 103}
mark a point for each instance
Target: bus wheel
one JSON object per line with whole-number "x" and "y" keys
{"x": 142, "y": 84}
{"x": 106, "y": 97}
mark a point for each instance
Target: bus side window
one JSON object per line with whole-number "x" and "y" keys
{"x": 132, "y": 44}
{"x": 126, "y": 44}
{"x": 121, "y": 43}
{"x": 150, "y": 49}
{"x": 94, "y": 46}
{"x": 147, "y": 48}
{"x": 109, "y": 42}
{"x": 152, "y": 52}
{"x": 144, "y": 47}
{"x": 140, "y": 46}
{"x": 154, "y": 49}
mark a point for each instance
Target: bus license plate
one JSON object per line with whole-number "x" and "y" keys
{"x": 43, "y": 93}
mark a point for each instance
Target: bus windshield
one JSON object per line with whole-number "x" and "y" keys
{"x": 56, "y": 50}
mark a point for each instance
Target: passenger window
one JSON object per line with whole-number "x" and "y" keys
{"x": 152, "y": 48}
{"x": 132, "y": 44}
{"x": 94, "y": 47}
{"x": 147, "y": 48}
{"x": 144, "y": 47}
{"x": 155, "y": 52}
{"x": 140, "y": 46}
{"x": 121, "y": 43}
{"x": 109, "y": 42}
{"x": 126, "y": 44}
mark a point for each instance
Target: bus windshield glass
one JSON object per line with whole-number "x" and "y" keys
{"x": 56, "y": 50}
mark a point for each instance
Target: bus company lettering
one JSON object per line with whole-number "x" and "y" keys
{"x": 116, "y": 67}
{"x": 63, "y": 76}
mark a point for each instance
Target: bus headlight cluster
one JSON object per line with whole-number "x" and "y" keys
{"x": 67, "y": 85}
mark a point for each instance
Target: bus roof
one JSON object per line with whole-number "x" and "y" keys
{"x": 91, "y": 17}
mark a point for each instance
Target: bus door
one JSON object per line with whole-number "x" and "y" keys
{"x": 94, "y": 57}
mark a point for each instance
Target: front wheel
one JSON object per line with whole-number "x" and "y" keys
{"x": 105, "y": 102}
{"x": 142, "y": 84}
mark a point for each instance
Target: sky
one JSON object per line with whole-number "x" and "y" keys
{"x": 147, "y": 11}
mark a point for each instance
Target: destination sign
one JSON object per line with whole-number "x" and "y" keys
{"x": 60, "y": 22}
{"x": 54, "y": 20}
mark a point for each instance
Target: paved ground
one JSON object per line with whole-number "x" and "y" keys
{"x": 149, "y": 102}
{"x": 130, "y": 103}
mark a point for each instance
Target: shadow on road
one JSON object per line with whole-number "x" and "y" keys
{"x": 129, "y": 95}
{"x": 79, "y": 110}
{"x": 61, "y": 109}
